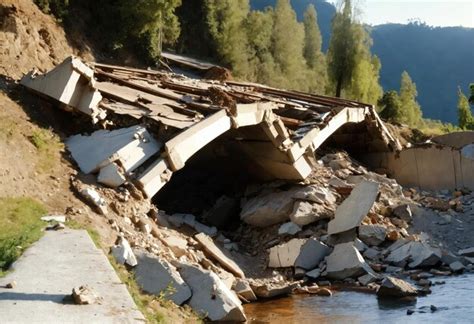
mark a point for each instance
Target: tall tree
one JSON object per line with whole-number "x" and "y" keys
{"x": 465, "y": 118}
{"x": 226, "y": 23}
{"x": 352, "y": 69}
{"x": 391, "y": 106}
{"x": 412, "y": 113}
{"x": 260, "y": 26}
{"x": 287, "y": 47}
{"x": 315, "y": 58}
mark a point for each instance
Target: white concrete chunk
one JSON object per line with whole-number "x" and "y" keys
{"x": 111, "y": 176}
{"x": 211, "y": 297}
{"x": 346, "y": 262}
{"x": 305, "y": 213}
{"x": 157, "y": 276}
{"x": 267, "y": 209}
{"x": 284, "y": 255}
{"x": 123, "y": 253}
{"x": 353, "y": 210}
{"x": 315, "y": 194}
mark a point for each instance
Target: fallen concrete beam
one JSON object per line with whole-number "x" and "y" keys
{"x": 70, "y": 83}
{"x": 154, "y": 177}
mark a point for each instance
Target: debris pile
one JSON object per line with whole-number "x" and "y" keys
{"x": 309, "y": 222}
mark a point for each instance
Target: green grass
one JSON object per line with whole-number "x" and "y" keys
{"x": 48, "y": 145}
{"x": 20, "y": 225}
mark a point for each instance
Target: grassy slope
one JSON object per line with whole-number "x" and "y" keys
{"x": 20, "y": 225}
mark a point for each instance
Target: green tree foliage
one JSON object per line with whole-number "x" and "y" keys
{"x": 471, "y": 99}
{"x": 226, "y": 23}
{"x": 353, "y": 71}
{"x": 391, "y": 106}
{"x": 58, "y": 8}
{"x": 465, "y": 118}
{"x": 412, "y": 114}
{"x": 287, "y": 47}
{"x": 315, "y": 59}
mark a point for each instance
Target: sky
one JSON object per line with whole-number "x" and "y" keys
{"x": 432, "y": 12}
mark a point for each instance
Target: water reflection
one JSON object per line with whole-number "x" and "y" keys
{"x": 454, "y": 300}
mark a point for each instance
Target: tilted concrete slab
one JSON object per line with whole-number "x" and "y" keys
{"x": 131, "y": 146}
{"x": 48, "y": 271}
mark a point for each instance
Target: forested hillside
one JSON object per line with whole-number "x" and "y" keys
{"x": 437, "y": 59}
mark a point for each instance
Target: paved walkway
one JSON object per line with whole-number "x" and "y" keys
{"x": 48, "y": 271}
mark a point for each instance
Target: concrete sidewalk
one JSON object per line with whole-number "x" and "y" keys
{"x": 48, "y": 271}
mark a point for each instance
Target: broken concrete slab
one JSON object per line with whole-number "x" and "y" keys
{"x": 285, "y": 255}
{"x": 267, "y": 209}
{"x": 346, "y": 262}
{"x": 353, "y": 210}
{"x": 311, "y": 254}
{"x": 393, "y": 287}
{"x": 210, "y": 296}
{"x": 469, "y": 252}
{"x": 111, "y": 176}
{"x": 157, "y": 276}
{"x": 372, "y": 234}
{"x": 123, "y": 253}
{"x": 177, "y": 244}
{"x": 179, "y": 220}
{"x": 305, "y": 213}
{"x": 54, "y": 218}
{"x": 289, "y": 228}
{"x": 214, "y": 252}
{"x": 130, "y": 146}
{"x": 423, "y": 255}
{"x": 242, "y": 288}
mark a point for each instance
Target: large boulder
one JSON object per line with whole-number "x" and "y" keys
{"x": 311, "y": 254}
{"x": 345, "y": 262}
{"x": 372, "y": 234}
{"x": 158, "y": 277}
{"x": 305, "y": 213}
{"x": 393, "y": 287}
{"x": 267, "y": 209}
{"x": 352, "y": 211}
{"x": 285, "y": 254}
{"x": 211, "y": 297}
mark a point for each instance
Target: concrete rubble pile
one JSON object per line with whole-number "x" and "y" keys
{"x": 312, "y": 221}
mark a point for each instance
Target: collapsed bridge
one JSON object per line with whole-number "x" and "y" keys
{"x": 170, "y": 117}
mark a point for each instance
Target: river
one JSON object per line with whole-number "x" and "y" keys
{"x": 454, "y": 301}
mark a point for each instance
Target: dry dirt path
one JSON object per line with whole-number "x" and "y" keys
{"x": 47, "y": 272}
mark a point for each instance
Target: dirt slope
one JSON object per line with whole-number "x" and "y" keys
{"x": 31, "y": 39}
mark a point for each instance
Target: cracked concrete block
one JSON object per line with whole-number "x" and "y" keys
{"x": 111, "y": 176}
{"x": 311, "y": 254}
{"x": 123, "y": 253}
{"x": 211, "y": 297}
{"x": 157, "y": 276}
{"x": 284, "y": 255}
{"x": 372, "y": 234}
{"x": 353, "y": 210}
{"x": 346, "y": 262}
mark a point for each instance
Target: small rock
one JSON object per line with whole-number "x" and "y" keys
{"x": 467, "y": 252}
{"x": 410, "y": 311}
{"x": 11, "y": 285}
{"x": 367, "y": 279}
{"x": 289, "y": 228}
{"x": 313, "y": 274}
{"x": 403, "y": 212}
{"x": 123, "y": 253}
{"x": 311, "y": 254}
{"x": 372, "y": 234}
{"x": 456, "y": 266}
{"x": 433, "y": 308}
{"x": 83, "y": 295}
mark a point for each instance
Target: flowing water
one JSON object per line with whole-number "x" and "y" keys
{"x": 454, "y": 301}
